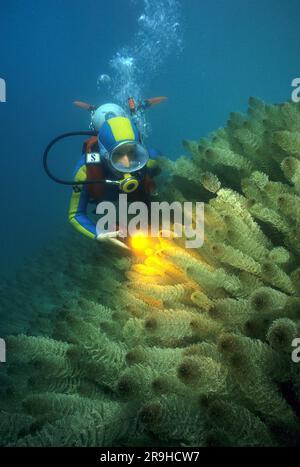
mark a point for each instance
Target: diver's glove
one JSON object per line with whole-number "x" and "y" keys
{"x": 111, "y": 238}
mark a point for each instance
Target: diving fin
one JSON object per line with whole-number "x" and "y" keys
{"x": 84, "y": 105}
{"x": 156, "y": 100}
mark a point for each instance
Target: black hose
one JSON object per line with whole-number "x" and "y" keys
{"x": 51, "y": 144}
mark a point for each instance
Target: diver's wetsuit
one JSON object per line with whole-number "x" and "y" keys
{"x": 83, "y": 195}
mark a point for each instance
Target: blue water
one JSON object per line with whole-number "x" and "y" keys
{"x": 207, "y": 57}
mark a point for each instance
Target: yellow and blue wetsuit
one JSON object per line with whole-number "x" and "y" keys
{"x": 112, "y": 133}
{"x": 79, "y": 202}
{"x": 81, "y": 197}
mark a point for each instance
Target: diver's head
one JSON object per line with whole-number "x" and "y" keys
{"x": 105, "y": 112}
{"x": 129, "y": 156}
{"x": 121, "y": 146}
{"x": 122, "y": 156}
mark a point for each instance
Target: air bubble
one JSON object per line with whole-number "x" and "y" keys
{"x": 103, "y": 79}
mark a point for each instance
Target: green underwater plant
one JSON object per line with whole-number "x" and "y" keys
{"x": 173, "y": 345}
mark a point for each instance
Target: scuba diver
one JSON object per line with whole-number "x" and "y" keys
{"x": 114, "y": 160}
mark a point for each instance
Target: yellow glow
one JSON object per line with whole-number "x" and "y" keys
{"x": 146, "y": 270}
{"x": 140, "y": 242}
{"x": 149, "y": 251}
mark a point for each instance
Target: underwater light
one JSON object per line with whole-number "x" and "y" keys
{"x": 140, "y": 242}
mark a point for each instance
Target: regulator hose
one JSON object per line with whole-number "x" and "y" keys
{"x": 59, "y": 180}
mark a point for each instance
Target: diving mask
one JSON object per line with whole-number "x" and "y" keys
{"x": 128, "y": 157}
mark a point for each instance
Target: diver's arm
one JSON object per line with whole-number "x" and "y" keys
{"x": 78, "y": 207}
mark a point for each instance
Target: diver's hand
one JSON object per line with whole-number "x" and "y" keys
{"x": 107, "y": 235}
{"x": 111, "y": 238}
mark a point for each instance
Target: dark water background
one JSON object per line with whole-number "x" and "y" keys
{"x": 207, "y": 56}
